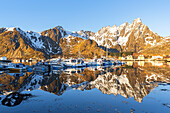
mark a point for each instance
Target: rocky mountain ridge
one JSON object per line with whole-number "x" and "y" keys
{"x": 135, "y": 37}
{"x": 127, "y": 37}
{"x": 16, "y": 43}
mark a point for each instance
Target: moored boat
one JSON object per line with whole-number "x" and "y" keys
{"x": 100, "y": 62}
{"x": 73, "y": 63}
{"x": 56, "y": 64}
{"x": 74, "y": 70}
{"x": 4, "y": 63}
{"x": 3, "y": 67}
{"x": 16, "y": 67}
{"x": 42, "y": 67}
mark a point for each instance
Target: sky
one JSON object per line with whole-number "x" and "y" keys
{"x": 90, "y": 15}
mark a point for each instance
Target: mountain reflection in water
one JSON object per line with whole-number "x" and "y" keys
{"x": 135, "y": 80}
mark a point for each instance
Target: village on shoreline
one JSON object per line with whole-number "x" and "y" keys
{"x": 165, "y": 58}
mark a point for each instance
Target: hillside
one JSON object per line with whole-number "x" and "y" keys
{"x": 163, "y": 47}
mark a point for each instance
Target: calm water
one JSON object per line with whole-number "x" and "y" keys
{"x": 137, "y": 87}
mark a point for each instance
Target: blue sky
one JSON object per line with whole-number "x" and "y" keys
{"x": 74, "y": 15}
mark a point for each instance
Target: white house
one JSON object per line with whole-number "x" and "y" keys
{"x": 156, "y": 57}
{"x": 141, "y": 57}
{"x": 129, "y": 57}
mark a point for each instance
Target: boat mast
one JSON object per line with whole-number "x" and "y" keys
{"x": 107, "y": 51}
{"x": 101, "y": 53}
{"x": 79, "y": 52}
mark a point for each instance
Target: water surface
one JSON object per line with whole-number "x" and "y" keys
{"x": 137, "y": 87}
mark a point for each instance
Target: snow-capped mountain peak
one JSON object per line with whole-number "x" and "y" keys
{"x": 126, "y": 37}
{"x": 138, "y": 20}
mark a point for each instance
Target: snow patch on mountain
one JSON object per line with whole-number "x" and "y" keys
{"x": 122, "y": 41}
{"x": 147, "y": 41}
{"x": 112, "y": 34}
{"x": 79, "y": 34}
{"x": 9, "y": 28}
{"x": 33, "y": 37}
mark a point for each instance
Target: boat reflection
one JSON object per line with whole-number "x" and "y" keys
{"x": 127, "y": 81}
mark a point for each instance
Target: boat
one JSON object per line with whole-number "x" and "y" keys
{"x": 16, "y": 67}
{"x": 96, "y": 62}
{"x": 16, "y": 74}
{"x": 107, "y": 62}
{"x": 100, "y": 62}
{"x": 4, "y": 63}
{"x": 73, "y": 63}
{"x": 118, "y": 62}
{"x": 54, "y": 61}
{"x": 42, "y": 67}
{"x": 71, "y": 71}
{"x": 56, "y": 64}
{"x": 1, "y": 72}
{"x": 56, "y": 72}
{"x": 92, "y": 62}
{"x": 3, "y": 67}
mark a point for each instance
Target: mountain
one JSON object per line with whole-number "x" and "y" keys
{"x": 135, "y": 37}
{"x": 58, "y": 33}
{"x": 73, "y": 43}
{"x": 16, "y": 43}
{"x": 127, "y": 37}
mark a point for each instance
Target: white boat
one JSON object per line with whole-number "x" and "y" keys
{"x": 54, "y": 61}
{"x": 41, "y": 67}
{"x": 1, "y": 72}
{"x": 56, "y": 64}
{"x": 95, "y": 62}
{"x": 71, "y": 71}
{"x": 73, "y": 63}
{"x": 99, "y": 62}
